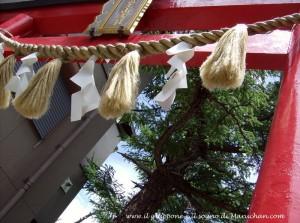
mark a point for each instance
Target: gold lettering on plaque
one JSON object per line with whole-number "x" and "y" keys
{"x": 119, "y": 16}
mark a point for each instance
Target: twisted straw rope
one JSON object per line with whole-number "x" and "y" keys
{"x": 116, "y": 51}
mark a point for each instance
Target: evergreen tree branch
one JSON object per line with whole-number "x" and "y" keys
{"x": 85, "y": 217}
{"x": 186, "y": 147}
{"x": 197, "y": 101}
{"x": 198, "y": 151}
{"x": 139, "y": 165}
{"x": 223, "y": 106}
{"x": 138, "y": 185}
{"x": 186, "y": 188}
{"x": 195, "y": 203}
{"x": 226, "y": 149}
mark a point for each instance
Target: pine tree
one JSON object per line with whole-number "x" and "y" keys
{"x": 195, "y": 159}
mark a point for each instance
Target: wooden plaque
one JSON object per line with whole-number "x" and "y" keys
{"x": 119, "y": 16}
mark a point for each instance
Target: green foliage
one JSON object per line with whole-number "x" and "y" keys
{"x": 238, "y": 119}
{"x": 106, "y": 194}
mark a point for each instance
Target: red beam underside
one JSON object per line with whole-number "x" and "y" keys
{"x": 277, "y": 190}
{"x": 162, "y": 15}
{"x": 213, "y": 14}
{"x": 19, "y": 25}
{"x": 266, "y": 51}
{"x": 54, "y": 20}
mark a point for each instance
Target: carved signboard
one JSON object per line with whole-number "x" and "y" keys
{"x": 119, "y": 16}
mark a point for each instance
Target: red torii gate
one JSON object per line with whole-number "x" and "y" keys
{"x": 277, "y": 190}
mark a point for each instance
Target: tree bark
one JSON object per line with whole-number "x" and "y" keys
{"x": 199, "y": 97}
{"x": 85, "y": 217}
{"x": 144, "y": 204}
{"x": 160, "y": 184}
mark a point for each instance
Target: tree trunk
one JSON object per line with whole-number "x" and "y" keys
{"x": 145, "y": 203}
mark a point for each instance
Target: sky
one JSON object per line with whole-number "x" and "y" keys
{"x": 125, "y": 174}
{"x": 80, "y": 206}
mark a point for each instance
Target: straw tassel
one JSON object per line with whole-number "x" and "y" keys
{"x": 225, "y": 67}
{"x": 121, "y": 89}
{"x": 34, "y": 101}
{"x": 6, "y": 72}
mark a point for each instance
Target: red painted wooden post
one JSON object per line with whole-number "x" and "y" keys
{"x": 278, "y": 186}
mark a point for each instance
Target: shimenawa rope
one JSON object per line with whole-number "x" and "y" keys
{"x": 120, "y": 92}
{"x": 116, "y": 51}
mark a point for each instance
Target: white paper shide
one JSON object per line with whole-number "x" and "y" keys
{"x": 1, "y": 51}
{"x": 19, "y": 82}
{"x": 87, "y": 99}
{"x": 182, "y": 53}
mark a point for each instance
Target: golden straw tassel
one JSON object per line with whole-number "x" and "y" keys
{"x": 225, "y": 67}
{"x": 6, "y": 72}
{"x": 34, "y": 101}
{"x": 121, "y": 89}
